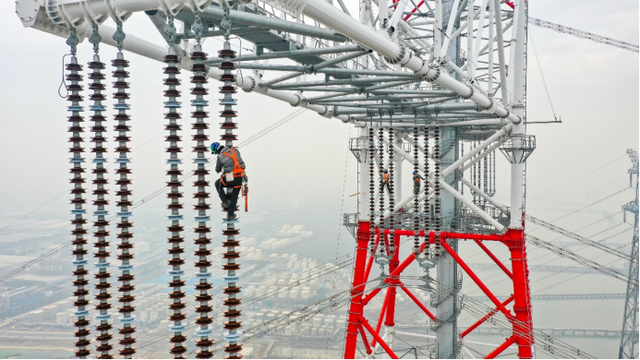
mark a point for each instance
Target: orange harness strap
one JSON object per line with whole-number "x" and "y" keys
{"x": 237, "y": 169}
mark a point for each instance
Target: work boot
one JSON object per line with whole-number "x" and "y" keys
{"x": 231, "y": 217}
{"x": 225, "y": 205}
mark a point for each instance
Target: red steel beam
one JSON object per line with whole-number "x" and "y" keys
{"x": 379, "y": 339}
{"x": 420, "y": 305}
{"x": 485, "y": 318}
{"x": 494, "y": 258}
{"x": 501, "y": 348}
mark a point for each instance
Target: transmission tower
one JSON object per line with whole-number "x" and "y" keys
{"x": 629, "y": 340}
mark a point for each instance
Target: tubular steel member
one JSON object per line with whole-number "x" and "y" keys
{"x": 125, "y": 246}
{"x": 81, "y": 272}
{"x": 233, "y": 334}
{"x": 203, "y": 286}
{"x": 102, "y": 276}
{"x": 177, "y": 305}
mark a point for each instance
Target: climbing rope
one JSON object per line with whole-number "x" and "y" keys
{"x": 203, "y": 275}
{"x": 81, "y": 272}
{"x": 102, "y": 276}
{"x": 125, "y": 236}
{"x": 175, "y": 240}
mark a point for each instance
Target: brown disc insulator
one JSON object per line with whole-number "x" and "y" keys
{"x": 82, "y": 292}
{"x": 204, "y": 321}
{"x": 81, "y": 323}
{"x": 201, "y": 183}
{"x": 128, "y": 352}
{"x": 175, "y": 262}
{"x": 203, "y": 286}
{"x": 174, "y": 172}
{"x": 103, "y": 307}
{"x": 178, "y": 350}
{"x": 204, "y": 343}
{"x": 102, "y": 275}
{"x": 233, "y": 325}
{"x": 202, "y": 241}
{"x": 104, "y": 327}
{"x": 232, "y": 313}
{"x": 126, "y": 288}
{"x": 228, "y": 137}
{"x": 103, "y": 296}
{"x": 231, "y": 255}
{"x": 176, "y": 283}
{"x": 177, "y": 317}
{"x": 104, "y": 337}
{"x": 231, "y": 243}
{"x": 74, "y": 66}
{"x": 127, "y": 341}
{"x": 104, "y": 285}
{"x": 199, "y": 91}
{"x": 202, "y": 264}
{"x": 78, "y": 201}
{"x": 78, "y": 221}
{"x": 228, "y": 77}
{"x": 232, "y": 302}
{"x": 200, "y": 137}
{"x": 230, "y": 232}
{"x": 232, "y": 290}
{"x": 228, "y": 53}
{"x": 203, "y": 298}
{"x": 124, "y": 224}
{"x": 197, "y": 126}
{"x": 199, "y": 67}
{"x": 124, "y": 235}
{"x": 127, "y": 299}
{"x": 127, "y": 330}
{"x": 172, "y": 81}
{"x": 102, "y": 254}
{"x": 125, "y": 245}
{"x": 227, "y": 89}
{"x": 104, "y": 348}
{"x": 127, "y": 309}
{"x": 199, "y": 79}
{"x": 176, "y": 339}
{"x": 176, "y": 294}
{"x": 74, "y": 77}
{"x": 171, "y": 70}
{"x": 81, "y": 303}
{"x": 173, "y": 116}
{"x": 233, "y": 348}
{"x": 200, "y": 114}
{"x": 171, "y": 58}
{"x": 228, "y": 113}
{"x": 100, "y": 192}
{"x": 202, "y": 252}
{"x": 122, "y": 128}
{"x": 100, "y": 202}
{"x": 228, "y": 267}
{"x": 82, "y": 353}
{"x": 200, "y": 148}
{"x": 177, "y": 306}
{"x": 202, "y": 230}
{"x": 82, "y": 343}
{"x": 123, "y": 182}
{"x": 172, "y": 92}
{"x": 202, "y": 207}
{"x": 228, "y": 125}
{"x": 174, "y": 251}
{"x": 80, "y": 282}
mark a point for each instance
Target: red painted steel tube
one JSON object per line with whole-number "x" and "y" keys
{"x": 364, "y": 338}
{"x": 391, "y": 298}
{"x": 356, "y": 306}
{"x": 414, "y": 10}
{"x": 382, "y": 312}
{"x": 494, "y": 258}
{"x": 367, "y": 272}
{"x": 451, "y": 235}
{"x": 477, "y": 280}
{"x": 522, "y": 329}
{"x": 485, "y": 318}
{"x": 415, "y": 300}
{"x": 379, "y": 339}
{"x": 501, "y": 348}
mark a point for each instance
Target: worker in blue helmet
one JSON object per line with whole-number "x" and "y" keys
{"x": 232, "y": 166}
{"x": 416, "y": 182}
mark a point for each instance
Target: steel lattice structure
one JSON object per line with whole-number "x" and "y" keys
{"x": 629, "y": 340}
{"x": 429, "y": 77}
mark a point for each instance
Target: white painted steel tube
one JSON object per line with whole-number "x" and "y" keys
{"x": 368, "y": 38}
{"x": 484, "y": 154}
{"x": 73, "y": 9}
{"x": 472, "y": 206}
{"x": 483, "y": 195}
{"x": 477, "y": 149}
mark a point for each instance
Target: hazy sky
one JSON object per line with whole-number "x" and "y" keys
{"x": 301, "y": 166}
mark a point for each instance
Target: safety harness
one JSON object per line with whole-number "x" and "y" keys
{"x": 238, "y": 171}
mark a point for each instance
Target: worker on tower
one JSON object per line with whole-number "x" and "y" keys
{"x": 384, "y": 180}
{"x": 233, "y": 175}
{"x": 416, "y": 182}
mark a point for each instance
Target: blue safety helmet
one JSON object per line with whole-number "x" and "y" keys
{"x": 215, "y": 147}
{"x": 386, "y": 171}
{"x": 415, "y": 172}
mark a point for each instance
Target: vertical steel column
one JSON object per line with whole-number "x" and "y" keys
{"x": 203, "y": 297}
{"x": 81, "y": 273}
{"x": 103, "y": 317}
{"x": 177, "y": 306}
{"x": 523, "y": 328}
{"x": 125, "y": 246}
{"x": 357, "y": 289}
